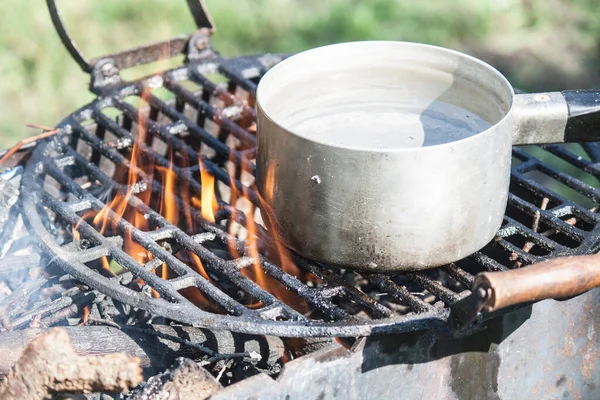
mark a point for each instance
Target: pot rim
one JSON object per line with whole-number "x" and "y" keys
{"x": 449, "y": 52}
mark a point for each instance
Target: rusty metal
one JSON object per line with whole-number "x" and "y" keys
{"x": 141, "y": 55}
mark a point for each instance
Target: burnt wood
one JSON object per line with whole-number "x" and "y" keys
{"x": 156, "y": 353}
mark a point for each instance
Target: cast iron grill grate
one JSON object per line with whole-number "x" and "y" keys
{"x": 197, "y": 119}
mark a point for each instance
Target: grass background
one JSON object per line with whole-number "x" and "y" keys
{"x": 538, "y": 44}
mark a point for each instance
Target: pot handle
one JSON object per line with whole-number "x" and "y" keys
{"x": 583, "y": 124}
{"x": 557, "y": 117}
{"x": 555, "y": 279}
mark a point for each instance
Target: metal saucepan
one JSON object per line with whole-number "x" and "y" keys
{"x": 391, "y": 156}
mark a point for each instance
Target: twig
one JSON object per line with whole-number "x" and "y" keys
{"x": 220, "y": 357}
{"x": 221, "y": 372}
{"x": 48, "y": 132}
{"x": 49, "y": 365}
{"x": 534, "y": 227}
{"x": 571, "y": 221}
{"x": 18, "y": 299}
{"x": 107, "y": 322}
{"x": 529, "y": 245}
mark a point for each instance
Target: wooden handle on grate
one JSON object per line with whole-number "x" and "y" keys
{"x": 555, "y": 279}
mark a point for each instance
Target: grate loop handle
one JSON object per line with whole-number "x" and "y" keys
{"x": 137, "y": 56}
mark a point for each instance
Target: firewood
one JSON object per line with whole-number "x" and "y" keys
{"x": 156, "y": 352}
{"x": 185, "y": 380}
{"x": 49, "y": 365}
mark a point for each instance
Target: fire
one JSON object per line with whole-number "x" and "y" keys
{"x": 106, "y": 265}
{"x": 207, "y": 203}
{"x": 168, "y": 206}
{"x": 140, "y": 172}
{"x": 194, "y": 294}
{"x": 172, "y": 213}
{"x": 86, "y": 316}
{"x": 175, "y": 203}
{"x": 184, "y": 190}
{"x": 256, "y": 274}
{"x": 76, "y": 236}
{"x": 282, "y": 256}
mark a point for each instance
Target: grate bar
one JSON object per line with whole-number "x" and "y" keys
{"x": 537, "y": 238}
{"x": 436, "y": 288}
{"x": 592, "y": 150}
{"x": 351, "y": 293}
{"x": 207, "y": 110}
{"x": 124, "y": 259}
{"x": 400, "y": 293}
{"x": 230, "y": 270}
{"x": 575, "y": 160}
{"x": 177, "y": 144}
{"x": 332, "y": 301}
{"x": 228, "y": 98}
{"x": 459, "y": 274}
{"x": 287, "y": 280}
{"x": 547, "y": 217}
{"x": 583, "y": 188}
{"x": 154, "y": 128}
{"x": 238, "y": 78}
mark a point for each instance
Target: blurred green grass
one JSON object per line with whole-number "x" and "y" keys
{"x": 540, "y": 45}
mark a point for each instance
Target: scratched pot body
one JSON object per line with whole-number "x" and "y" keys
{"x": 371, "y": 188}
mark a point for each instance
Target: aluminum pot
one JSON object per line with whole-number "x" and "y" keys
{"x": 391, "y": 156}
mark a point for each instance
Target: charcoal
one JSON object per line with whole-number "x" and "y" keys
{"x": 9, "y": 194}
{"x": 184, "y": 380}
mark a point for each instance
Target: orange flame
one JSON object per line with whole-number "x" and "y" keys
{"x": 283, "y": 257}
{"x": 77, "y": 236}
{"x": 184, "y": 189}
{"x": 86, "y": 316}
{"x": 231, "y": 244}
{"x": 120, "y": 203}
{"x": 172, "y": 213}
{"x": 168, "y": 206}
{"x": 106, "y": 265}
{"x": 256, "y": 274}
{"x": 194, "y": 294}
{"x": 283, "y": 254}
{"x": 140, "y": 170}
{"x": 207, "y": 203}
{"x": 75, "y": 231}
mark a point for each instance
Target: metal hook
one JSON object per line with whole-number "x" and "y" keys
{"x": 197, "y": 9}
{"x": 66, "y": 39}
